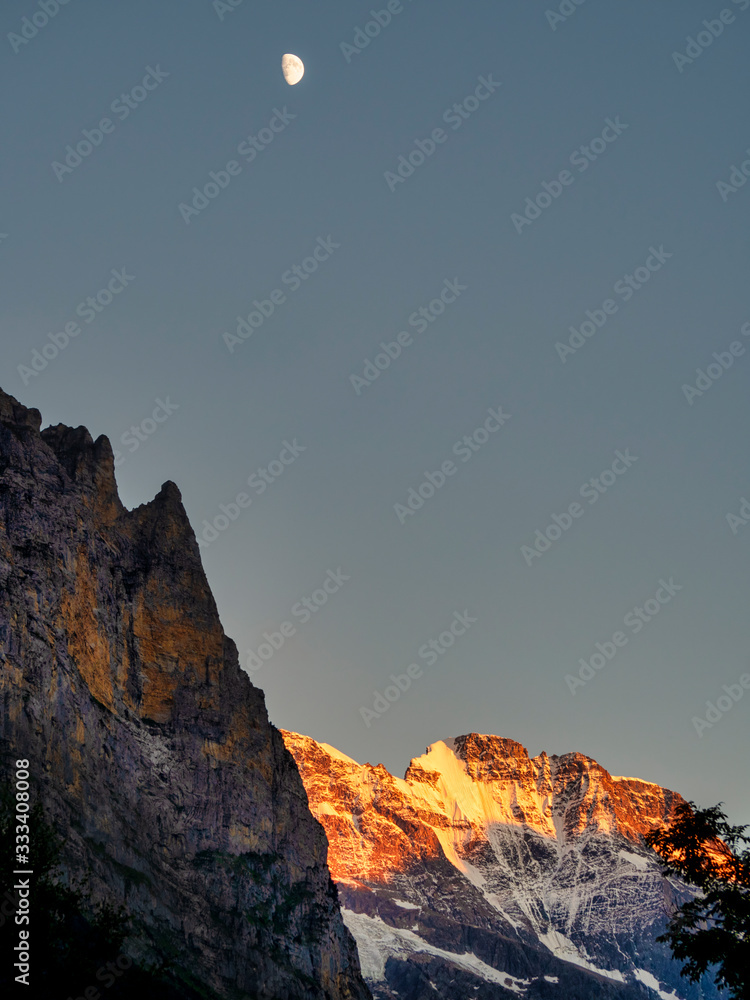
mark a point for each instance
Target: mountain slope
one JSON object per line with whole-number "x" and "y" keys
{"x": 150, "y": 749}
{"x": 488, "y": 873}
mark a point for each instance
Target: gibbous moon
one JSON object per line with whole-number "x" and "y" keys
{"x": 293, "y": 68}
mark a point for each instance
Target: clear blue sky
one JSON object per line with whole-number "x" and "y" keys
{"x": 317, "y": 175}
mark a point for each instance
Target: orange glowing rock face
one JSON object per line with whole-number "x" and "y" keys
{"x": 463, "y": 796}
{"x": 715, "y": 855}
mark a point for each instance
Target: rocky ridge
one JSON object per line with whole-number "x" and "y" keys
{"x": 149, "y": 747}
{"x": 487, "y": 873}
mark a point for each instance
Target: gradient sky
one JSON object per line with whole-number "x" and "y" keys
{"x": 323, "y": 176}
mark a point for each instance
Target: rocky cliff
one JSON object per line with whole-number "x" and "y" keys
{"x": 150, "y": 749}
{"x": 487, "y": 873}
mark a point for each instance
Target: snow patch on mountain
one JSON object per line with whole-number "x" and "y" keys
{"x": 378, "y": 941}
{"x": 648, "y": 979}
{"x": 637, "y": 781}
{"x": 562, "y": 947}
{"x": 513, "y": 856}
{"x": 638, "y": 860}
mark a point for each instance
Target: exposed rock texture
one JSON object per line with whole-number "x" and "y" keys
{"x": 149, "y": 746}
{"x": 487, "y": 873}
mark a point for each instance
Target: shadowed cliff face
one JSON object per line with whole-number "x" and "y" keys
{"x": 149, "y": 746}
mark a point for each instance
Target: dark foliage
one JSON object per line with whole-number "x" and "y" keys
{"x": 711, "y": 931}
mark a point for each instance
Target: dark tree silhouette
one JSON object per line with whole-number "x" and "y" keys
{"x": 711, "y": 931}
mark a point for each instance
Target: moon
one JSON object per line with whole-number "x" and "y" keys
{"x": 293, "y": 68}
